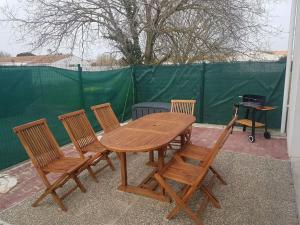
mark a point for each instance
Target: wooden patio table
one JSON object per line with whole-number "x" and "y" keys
{"x": 147, "y": 134}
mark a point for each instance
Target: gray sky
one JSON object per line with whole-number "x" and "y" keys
{"x": 279, "y": 17}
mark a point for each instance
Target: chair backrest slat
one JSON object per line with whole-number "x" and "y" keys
{"x": 183, "y": 106}
{"x": 219, "y": 143}
{"x": 79, "y": 128}
{"x": 207, "y": 162}
{"x": 106, "y": 117}
{"x": 38, "y": 142}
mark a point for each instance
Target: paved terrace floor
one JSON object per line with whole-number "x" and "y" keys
{"x": 260, "y": 190}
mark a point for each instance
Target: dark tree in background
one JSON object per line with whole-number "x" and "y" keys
{"x": 147, "y": 31}
{"x": 4, "y": 54}
{"x": 25, "y": 54}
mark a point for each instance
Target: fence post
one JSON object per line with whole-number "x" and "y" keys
{"x": 202, "y": 87}
{"x": 82, "y": 104}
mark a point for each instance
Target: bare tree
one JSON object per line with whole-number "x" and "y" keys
{"x": 146, "y": 31}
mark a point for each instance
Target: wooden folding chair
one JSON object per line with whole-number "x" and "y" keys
{"x": 106, "y": 117}
{"x": 199, "y": 153}
{"x": 186, "y": 107}
{"x": 44, "y": 152}
{"x": 85, "y": 140}
{"x": 183, "y": 106}
{"x": 191, "y": 176}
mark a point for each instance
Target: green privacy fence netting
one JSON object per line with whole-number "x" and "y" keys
{"x": 216, "y": 86}
{"x": 30, "y": 93}
{"x": 163, "y": 83}
{"x": 225, "y": 82}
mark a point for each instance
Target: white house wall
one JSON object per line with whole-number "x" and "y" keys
{"x": 293, "y": 122}
{"x": 71, "y": 61}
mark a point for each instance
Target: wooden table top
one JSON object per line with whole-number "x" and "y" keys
{"x": 148, "y": 133}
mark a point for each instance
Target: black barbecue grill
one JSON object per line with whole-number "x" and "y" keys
{"x": 252, "y": 104}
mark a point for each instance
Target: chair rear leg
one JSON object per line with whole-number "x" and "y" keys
{"x": 58, "y": 200}
{"x": 179, "y": 202}
{"x": 79, "y": 184}
{"x": 175, "y": 210}
{"x": 221, "y": 179}
{"x": 188, "y": 136}
{"x": 46, "y": 192}
{"x": 186, "y": 197}
{"x": 92, "y": 174}
{"x": 109, "y": 162}
{"x": 211, "y": 197}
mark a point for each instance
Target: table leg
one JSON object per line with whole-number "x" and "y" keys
{"x": 123, "y": 166}
{"x": 161, "y": 162}
{"x": 151, "y": 156}
{"x": 151, "y": 161}
{"x": 161, "y": 158}
{"x": 182, "y": 140}
{"x": 140, "y": 190}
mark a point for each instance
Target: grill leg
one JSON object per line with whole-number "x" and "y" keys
{"x": 266, "y": 122}
{"x": 246, "y": 117}
{"x": 267, "y": 134}
{"x": 253, "y": 125}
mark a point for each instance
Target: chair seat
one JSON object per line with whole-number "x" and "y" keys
{"x": 97, "y": 151}
{"x": 194, "y": 152}
{"x": 65, "y": 165}
{"x": 181, "y": 172}
{"x": 96, "y": 147}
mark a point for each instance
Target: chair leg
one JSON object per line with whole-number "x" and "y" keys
{"x": 221, "y": 179}
{"x": 109, "y": 162}
{"x": 188, "y": 136}
{"x": 180, "y": 203}
{"x": 151, "y": 156}
{"x": 58, "y": 201}
{"x": 79, "y": 184}
{"x": 118, "y": 155}
{"x": 46, "y": 192}
{"x": 173, "y": 212}
{"x": 211, "y": 197}
{"x": 92, "y": 174}
{"x": 55, "y": 197}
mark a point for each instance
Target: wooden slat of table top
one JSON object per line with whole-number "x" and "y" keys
{"x": 147, "y": 133}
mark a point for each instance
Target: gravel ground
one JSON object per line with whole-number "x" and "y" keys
{"x": 260, "y": 191}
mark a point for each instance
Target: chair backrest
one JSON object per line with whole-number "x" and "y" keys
{"x": 39, "y": 142}
{"x": 183, "y": 106}
{"x": 213, "y": 153}
{"x": 79, "y": 128}
{"x": 219, "y": 143}
{"x": 106, "y": 117}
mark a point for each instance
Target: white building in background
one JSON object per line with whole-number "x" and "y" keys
{"x": 265, "y": 56}
{"x": 291, "y": 102}
{"x": 66, "y": 61}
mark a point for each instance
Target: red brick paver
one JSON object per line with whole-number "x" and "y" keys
{"x": 275, "y": 148}
{"x": 29, "y": 182}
